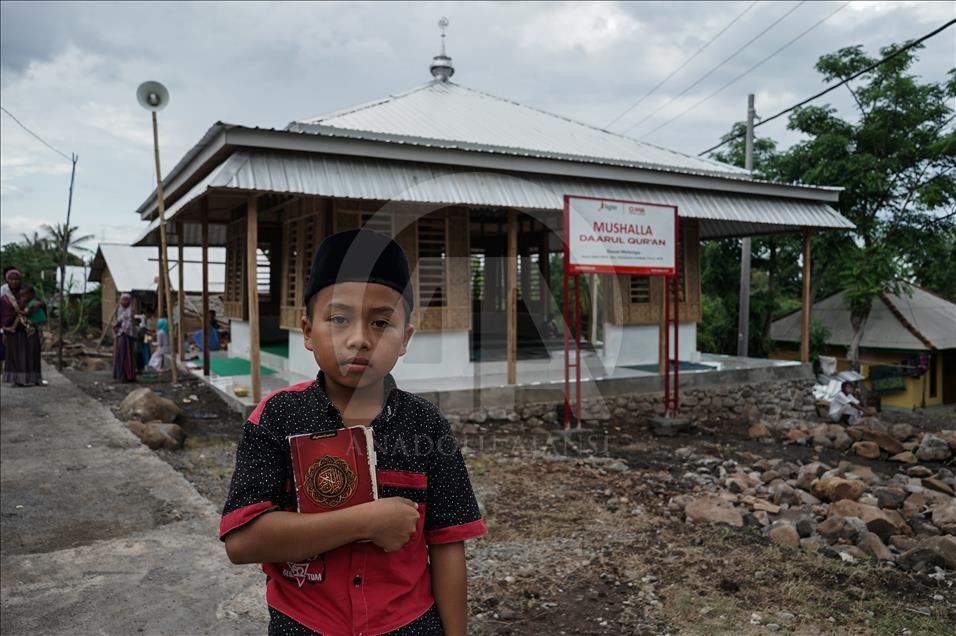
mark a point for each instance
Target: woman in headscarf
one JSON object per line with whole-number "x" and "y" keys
{"x": 124, "y": 370}
{"x": 22, "y": 363}
{"x": 158, "y": 359}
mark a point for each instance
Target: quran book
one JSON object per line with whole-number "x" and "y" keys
{"x": 333, "y": 469}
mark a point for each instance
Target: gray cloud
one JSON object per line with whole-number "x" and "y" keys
{"x": 69, "y": 71}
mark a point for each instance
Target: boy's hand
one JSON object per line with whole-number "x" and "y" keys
{"x": 392, "y": 522}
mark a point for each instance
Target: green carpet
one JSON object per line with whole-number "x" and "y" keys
{"x": 235, "y": 366}
{"x": 281, "y": 349}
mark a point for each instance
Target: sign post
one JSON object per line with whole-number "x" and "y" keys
{"x": 612, "y": 236}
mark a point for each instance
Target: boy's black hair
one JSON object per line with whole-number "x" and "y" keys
{"x": 27, "y": 288}
{"x": 360, "y": 256}
{"x": 846, "y": 382}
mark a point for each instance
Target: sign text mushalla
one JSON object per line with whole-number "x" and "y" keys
{"x": 622, "y": 237}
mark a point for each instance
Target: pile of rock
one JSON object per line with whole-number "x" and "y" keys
{"x": 848, "y": 511}
{"x": 151, "y": 418}
{"x": 870, "y": 438}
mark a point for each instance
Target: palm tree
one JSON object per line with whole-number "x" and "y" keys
{"x": 35, "y": 241}
{"x": 58, "y": 235}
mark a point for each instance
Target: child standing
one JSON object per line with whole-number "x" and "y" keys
{"x": 33, "y": 308}
{"x": 392, "y": 566}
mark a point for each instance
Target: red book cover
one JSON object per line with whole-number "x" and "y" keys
{"x": 334, "y": 469}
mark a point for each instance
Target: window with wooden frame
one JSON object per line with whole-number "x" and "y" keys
{"x": 431, "y": 262}
{"x": 640, "y": 289}
{"x": 638, "y": 298}
{"x": 301, "y": 232}
{"x": 234, "y": 297}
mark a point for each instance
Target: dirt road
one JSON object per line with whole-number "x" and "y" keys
{"x": 101, "y": 536}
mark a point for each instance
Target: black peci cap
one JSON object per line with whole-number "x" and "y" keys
{"x": 360, "y": 256}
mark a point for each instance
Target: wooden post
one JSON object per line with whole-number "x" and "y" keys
{"x": 163, "y": 256}
{"x": 544, "y": 264}
{"x": 182, "y": 294}
{"x": 205, "y": 284}
{"x": 805, "y": 330}
{"x": 252, "y": 243}
{"x": 161, "y": 288}
{"x": 512, "y": 290}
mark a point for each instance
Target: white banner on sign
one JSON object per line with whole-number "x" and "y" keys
{"x": 620, "y": 237}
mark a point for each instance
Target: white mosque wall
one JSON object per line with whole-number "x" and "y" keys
{"x": 626, "y": 345}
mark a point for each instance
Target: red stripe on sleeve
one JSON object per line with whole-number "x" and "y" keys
{"x": 460, "y": 532}
{"x": 257, "y": 413}
{"x": 401, "y": 479}
{"x": 241, "y": 516}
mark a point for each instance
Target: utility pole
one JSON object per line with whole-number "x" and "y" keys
{"x": 63, "y": 252}
{"x": 743, "y": 319}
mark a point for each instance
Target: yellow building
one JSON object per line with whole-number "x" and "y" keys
{"x": 907, "y": 349}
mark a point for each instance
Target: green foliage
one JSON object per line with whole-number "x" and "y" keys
{"x": 819, "y": 334}
{"x": 38, "y": 259}
{"x": 894, "y": 157}
{"x": 717, "y": 332}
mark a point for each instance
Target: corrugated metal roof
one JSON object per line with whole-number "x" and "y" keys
{"x": 370, "y": 179}
{"x": 136, "y": 268}
{"x": 192, "y": 232}
{"x": 439, "y": 113}
{"x": 932, "y": 317}
{"x": 77, "y": 280}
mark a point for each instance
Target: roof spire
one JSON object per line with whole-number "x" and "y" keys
{"x": 441, "y": 67}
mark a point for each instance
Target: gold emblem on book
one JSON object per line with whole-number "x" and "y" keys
{"x": 330, "y": 481}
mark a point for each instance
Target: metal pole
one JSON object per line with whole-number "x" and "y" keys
{"x": 743, "y": 318}
{"x": 565, "y": 318}
{"x": 676, "y": 396}
{"x": 577, "y": 349}
{"x": 63, "y": 251}
{"x": 665, "y": 300}
{"x": 164, "y": 259}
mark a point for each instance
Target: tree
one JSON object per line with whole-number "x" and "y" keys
{"x": 59, "y": 235}
{"x": 895, "y": 159}
{"x": 774, "y": 265}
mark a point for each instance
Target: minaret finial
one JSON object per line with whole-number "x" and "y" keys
{"x": 441, "y": 67}
{"x": 443, "y": 24}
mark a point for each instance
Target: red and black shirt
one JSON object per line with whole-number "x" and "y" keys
{"x": 356, "y": 589}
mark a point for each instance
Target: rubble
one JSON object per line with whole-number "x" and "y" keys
{"x": 144, "y": 405}
{"x": 907, "y": 519}
{"x": 158, "y": 434}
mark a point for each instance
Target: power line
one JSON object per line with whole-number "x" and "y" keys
{"x": 747, "y": 72}
{"x": 41, "y": 139}
{"x": 837, "y": 85}
{"x": 713, "y": 70}
{"x": 685, "y": 63}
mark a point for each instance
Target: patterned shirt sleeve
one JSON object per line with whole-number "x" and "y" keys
{"x": 258, "y": 484}
{"x": 451, "y": 513}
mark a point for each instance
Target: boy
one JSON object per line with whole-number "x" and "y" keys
{"x": 392, "y": 566}
{"x": 845, "y": 406}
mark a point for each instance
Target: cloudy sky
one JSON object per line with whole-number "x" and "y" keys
{"x": 69, "y": 72}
